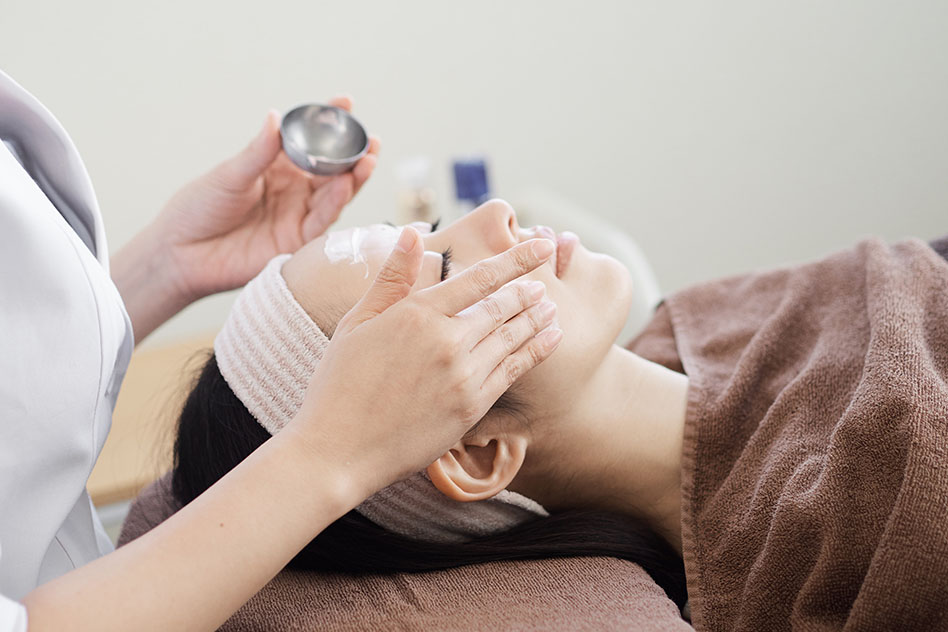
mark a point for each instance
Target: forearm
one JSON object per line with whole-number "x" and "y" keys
{"x": 149, "y": 282}
{"x": 194, "y": 570}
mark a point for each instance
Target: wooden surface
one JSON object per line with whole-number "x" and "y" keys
{"x": 138, "y": 449}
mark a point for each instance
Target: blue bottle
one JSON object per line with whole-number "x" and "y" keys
{"x": 470, "y": 183}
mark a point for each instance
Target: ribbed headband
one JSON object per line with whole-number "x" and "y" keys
{"x": 267, "y": 351}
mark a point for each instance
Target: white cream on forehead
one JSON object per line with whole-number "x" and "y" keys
{"x": 351, "y": 246}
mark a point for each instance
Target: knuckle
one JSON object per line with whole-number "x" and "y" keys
{"x": 513, "y": 369}
{"x": 388, "y": 274}
{"x": 523, "y": 259}
{"x": 415, "y": 317}
{"x": 450, "y": 345}
{"x": 493, "y": 309}
{"x": 507, "y": 338}
{"x": 464, "y": 375}
{"x": 470, "y": 373}
{"x": 448, "y": 353}
{"x": 523, "y": 295}
{"x": 536, "y": 354}
{"x": 459, "y": 392}
{"x": 533, "y": 317}
{"x": 483, "y": 277}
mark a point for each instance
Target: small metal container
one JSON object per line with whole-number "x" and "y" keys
{"x": 323, "y": 139}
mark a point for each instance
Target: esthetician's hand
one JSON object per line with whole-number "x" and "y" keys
{"x": 406, "y": 375}
{"x": 223, "y": 227}
{"x": 217, "y": 232}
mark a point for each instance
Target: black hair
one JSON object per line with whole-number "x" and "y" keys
{"x": 216, "y": 432}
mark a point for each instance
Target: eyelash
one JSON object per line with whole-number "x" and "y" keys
{"x": 445, "y": 263}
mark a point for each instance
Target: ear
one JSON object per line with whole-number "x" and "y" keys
{"x": 479, "y": 467}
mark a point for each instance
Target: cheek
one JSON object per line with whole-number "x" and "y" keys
{"x": 591, "y": 315}
{"x": 554, "y": 383}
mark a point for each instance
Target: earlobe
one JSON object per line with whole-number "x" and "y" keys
{"x": 478, "y": 469}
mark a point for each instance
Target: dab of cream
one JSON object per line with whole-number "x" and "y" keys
{"x": 350, "y": 246}
{"x": 344, "y": 247}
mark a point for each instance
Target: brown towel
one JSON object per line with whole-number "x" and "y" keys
{"x": 815, "y": 470}
{"x": 567, "y": 594}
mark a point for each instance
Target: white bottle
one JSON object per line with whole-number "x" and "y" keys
{"x": 416, "y": 198}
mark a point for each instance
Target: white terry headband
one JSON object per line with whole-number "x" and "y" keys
{"x": 267, "y": 351}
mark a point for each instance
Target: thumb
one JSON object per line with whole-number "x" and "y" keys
{"x": 244, "y": 168}
{"x": 394, "y": 280}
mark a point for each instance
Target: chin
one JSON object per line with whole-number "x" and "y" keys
{"x": 622, "y": 295}
{"x": 605, "y": 286}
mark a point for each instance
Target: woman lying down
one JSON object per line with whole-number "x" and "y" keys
{"x": 779, "y": 439}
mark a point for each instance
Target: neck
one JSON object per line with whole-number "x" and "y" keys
{"x": 619, "y": 447}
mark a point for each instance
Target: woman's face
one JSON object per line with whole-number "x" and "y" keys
{"x": 592, "y": 291}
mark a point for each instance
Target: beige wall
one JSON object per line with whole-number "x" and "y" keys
{"x": 723, "y": 135}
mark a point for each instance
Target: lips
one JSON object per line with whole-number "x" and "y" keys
{"x": 565, "y": 244}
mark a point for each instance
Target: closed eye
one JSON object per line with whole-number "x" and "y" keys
{"x": 445, "y": 263}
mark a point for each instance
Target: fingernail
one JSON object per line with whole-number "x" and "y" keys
{"x": 547, "y": 310}
{"x": 543, "y": 248}
{"x": 268, "y": 122}
{"x": 406, "y": 240}
{"x": 553, "y": 336}
{"x": 536, "y": 289}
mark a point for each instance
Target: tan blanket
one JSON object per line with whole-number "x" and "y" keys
{"x": 583, "y": 593}
{"x": 815, "y": 473}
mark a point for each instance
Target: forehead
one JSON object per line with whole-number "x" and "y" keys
{"x": 334, "y": 271}
{"x": 356, "y": 246}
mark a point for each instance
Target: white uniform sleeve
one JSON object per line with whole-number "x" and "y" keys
{"x": 12, "y": 615}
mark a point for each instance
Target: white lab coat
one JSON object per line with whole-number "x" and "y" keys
{"x": 65, "y": 343}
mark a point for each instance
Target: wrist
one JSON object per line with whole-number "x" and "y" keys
{"x": 341, "y": 479}
{"x": 171, "y": 266}
{"x": 150, "y": 281}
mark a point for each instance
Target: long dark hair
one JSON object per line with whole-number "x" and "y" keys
{"x": 216, "y": 432}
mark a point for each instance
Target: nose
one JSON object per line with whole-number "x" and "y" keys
{"x": 496, "y": 222}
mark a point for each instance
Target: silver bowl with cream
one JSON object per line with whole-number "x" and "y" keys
{"x": 323, "y": 139}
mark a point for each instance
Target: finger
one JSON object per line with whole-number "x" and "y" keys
{"x": 363, "y": 170}
{"x": 513, "y": 334}
{"x": 486, "y": 315}
{"x": 325, "y": 205}
{"x": 375, "y": 145}
{"x": 242, "y": 170}
{"x": 515, "y": 365}
{"x": 332, "y": 194}
{"x": 483, "y": 278}
{"x": 365, "y": 167}
{"x": 393, "y": 282}
{"x": 342, "y": 101}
